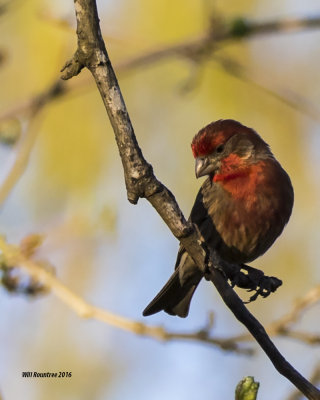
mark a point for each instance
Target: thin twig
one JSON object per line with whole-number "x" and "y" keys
{"x": 27, "y": 143}
{"x": 14, "y": 256}
{"x": 141, "y": 182}
{"x": 21, "y": 257}
{"x": 198, "y": 48}
{"x": 308, "y": 300}
{"x": 21, "y": 161}
{"x": 188, "y": 49}
{"x": 32, "y": 106}
{"x": 284, "y": 25}
{"x": 286, "y": 96}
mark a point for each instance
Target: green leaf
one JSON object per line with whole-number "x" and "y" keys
{"x": 247, "y": 389}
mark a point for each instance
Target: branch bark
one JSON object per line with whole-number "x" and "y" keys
{"x": 141, "y": 182}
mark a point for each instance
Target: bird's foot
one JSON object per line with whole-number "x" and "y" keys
{"x": 268, "y": 285}
{"x": 252, "y": 279}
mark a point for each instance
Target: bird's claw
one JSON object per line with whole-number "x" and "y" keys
{"x": 252, "y": 279}
{"x": 268, "y": 285}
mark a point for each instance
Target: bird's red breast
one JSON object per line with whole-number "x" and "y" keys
{"x": 248, "y": 196}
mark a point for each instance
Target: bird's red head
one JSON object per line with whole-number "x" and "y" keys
{"x": 209, "y": 138}
{"x": 226, "y": 143}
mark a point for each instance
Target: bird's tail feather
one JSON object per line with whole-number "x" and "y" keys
{"x": 174, "y": 298}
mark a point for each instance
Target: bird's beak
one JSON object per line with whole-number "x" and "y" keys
{"x": 203, "y": 166}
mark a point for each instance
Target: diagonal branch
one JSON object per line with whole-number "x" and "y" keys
{"x": 141, "y": 182}
{"x": 314, "y": 378}
{"x": 282, "y": 326}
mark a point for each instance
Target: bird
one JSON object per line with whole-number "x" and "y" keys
{"x": 240, "y": 210}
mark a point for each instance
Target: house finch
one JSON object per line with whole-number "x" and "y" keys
{"x": 240, "y": 210}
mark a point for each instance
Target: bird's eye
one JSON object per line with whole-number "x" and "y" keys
{"x": 220, "y": 148}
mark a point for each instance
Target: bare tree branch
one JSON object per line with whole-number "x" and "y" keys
{"x": 27, "y": 142}
{"x": 21, "y": 161}
{"x": 236, "y": 29}
{"x": 282, "y": 326}
{"x": 13, "y": 256}
{"x": 285, "y": 95}
{"x": 43, "y": 280}
{"x": 221, "y": 32}
{"x": 30, "y": 108}
{"x": 196, "y": 49}
{"x": 141, "y": 182}
{"x": 315, "y": 379}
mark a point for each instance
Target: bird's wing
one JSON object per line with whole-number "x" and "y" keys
{"x": 197, "y": 216}
{"x": 200, "y": 213}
